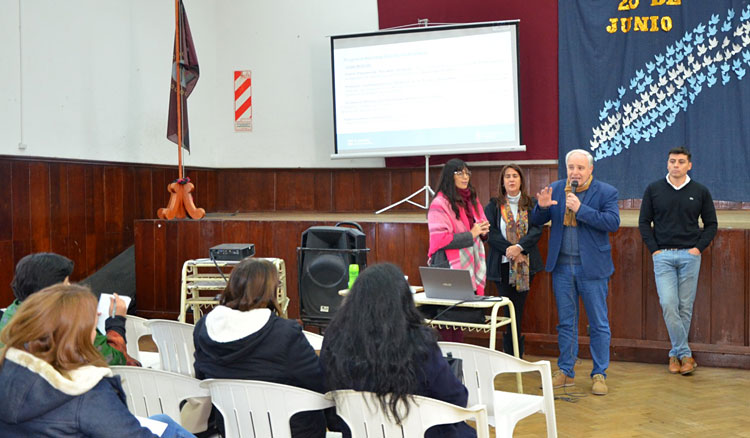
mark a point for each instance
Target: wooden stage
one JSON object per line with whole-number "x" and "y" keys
{"x": 720, "y": 334}
{"x": 732, "y": 219}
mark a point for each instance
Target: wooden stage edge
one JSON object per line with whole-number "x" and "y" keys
{"x": 308, "y": 216}
{"x": 728, "y": 219}
{"x": 719, "y": 335}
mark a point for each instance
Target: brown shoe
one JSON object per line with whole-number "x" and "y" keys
{"x": 599, "y": 385}
{"x": 674, "y": 365}
{"x": 688, "y": 365}
{"x": 559, "y": 380}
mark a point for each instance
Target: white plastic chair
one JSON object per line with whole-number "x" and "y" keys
{"x": 151, "y": 392}
{"x": 135, "y": 328}
{"x": 175, "y": 342}
{"x": 363, "y": 414}
{"x": 253, "y": 408}
{"x": 481, "y": 365}
{"x": 314, "y": 339}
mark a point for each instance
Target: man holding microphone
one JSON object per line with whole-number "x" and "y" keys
{"x": 583, "y": 212}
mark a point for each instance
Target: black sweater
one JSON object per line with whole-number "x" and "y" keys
{"x": 674, "y": 214}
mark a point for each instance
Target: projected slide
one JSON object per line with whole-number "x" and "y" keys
{"x": 427, "y": 92}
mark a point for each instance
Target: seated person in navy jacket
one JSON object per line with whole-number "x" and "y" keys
{"x": 244, "y": 338}
{"x": 377, "y": 342}
{"x": 54, "y": 382}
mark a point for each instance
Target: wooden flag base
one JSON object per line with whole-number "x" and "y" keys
{"x": 180, "y": 203}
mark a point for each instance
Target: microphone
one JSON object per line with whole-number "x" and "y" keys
{"x": 574, "y": 185}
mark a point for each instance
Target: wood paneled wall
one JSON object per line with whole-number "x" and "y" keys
{"x": 163, "y": 246}
{"x": 720, "y": 330}
{"x": 346, "y": 190}
{"x": 87, "y": 210}
{"x": 83, "y": 210}
{"x": 720, "y": 334}
{"x": 363, "y": 190}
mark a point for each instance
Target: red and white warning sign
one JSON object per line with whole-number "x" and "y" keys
{"x": 243, "y": 101}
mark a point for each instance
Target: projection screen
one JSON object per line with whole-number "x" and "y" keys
{"x": 427, "y": 91}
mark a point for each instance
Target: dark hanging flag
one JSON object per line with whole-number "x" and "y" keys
{"x": 189, "y": 73}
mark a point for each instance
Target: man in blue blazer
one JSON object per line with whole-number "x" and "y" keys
{"x": 583, "y": 212}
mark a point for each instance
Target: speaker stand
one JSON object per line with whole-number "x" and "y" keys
{"x": 426, "y": 189}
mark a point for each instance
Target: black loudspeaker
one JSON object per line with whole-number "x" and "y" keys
{"x": 323, "y": 262}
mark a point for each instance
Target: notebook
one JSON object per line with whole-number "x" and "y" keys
{"x": 448, "y": 284}
{"x": 103, "y": 309}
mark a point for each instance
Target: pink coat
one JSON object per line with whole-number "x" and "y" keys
{"x": 443, "y": 225}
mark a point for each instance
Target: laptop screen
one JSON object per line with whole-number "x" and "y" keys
{"x": 446, "y": 283}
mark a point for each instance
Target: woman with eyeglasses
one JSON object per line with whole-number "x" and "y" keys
{"x": 458, "y": 225}
{"x": 457, "y": 228}
{"x": 514, "y": 256}
{"x": 244, "y": 338}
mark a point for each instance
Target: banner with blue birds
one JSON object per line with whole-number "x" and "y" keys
{"x": 637, "y": 78}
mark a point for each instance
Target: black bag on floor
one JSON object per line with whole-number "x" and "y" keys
{"x": 456, "y": 365}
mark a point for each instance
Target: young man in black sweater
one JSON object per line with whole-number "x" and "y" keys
{"x": 676, "y": 241}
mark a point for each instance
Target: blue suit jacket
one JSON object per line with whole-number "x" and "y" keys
{"x": 597, "y": 217}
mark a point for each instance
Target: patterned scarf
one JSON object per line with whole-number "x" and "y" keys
{"x": 570, "y": 216}
{"x": 514, "y": 230}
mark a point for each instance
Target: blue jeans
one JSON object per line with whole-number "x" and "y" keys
{"x": 676, "y": 274}
{"x": 569, "y": 286}
{"x": 173, "y": 430}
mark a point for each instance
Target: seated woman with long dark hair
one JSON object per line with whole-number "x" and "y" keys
{"x": 377, "y": 342}
{"x": 244, "y": 338}
{"x": 54, "y": 382}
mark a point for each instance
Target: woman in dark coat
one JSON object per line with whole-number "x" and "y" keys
{"x": 244, "y": 338}
{"x": 514, "y": 256}
{"x": 377, "y": 342}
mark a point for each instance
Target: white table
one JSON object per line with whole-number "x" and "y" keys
{"x": 493, "y": 321}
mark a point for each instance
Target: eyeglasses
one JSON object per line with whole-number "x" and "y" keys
{"x": 466, "y": 173}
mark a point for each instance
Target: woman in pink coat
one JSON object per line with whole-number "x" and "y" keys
{"x": 458, "y": 227}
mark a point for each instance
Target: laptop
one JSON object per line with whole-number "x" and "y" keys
{"x": 448, "y": 284}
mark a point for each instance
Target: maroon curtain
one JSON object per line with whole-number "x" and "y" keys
{"x": 537, "y": 41}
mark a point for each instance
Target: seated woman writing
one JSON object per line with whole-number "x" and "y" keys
{"x": 39, "y": 270}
